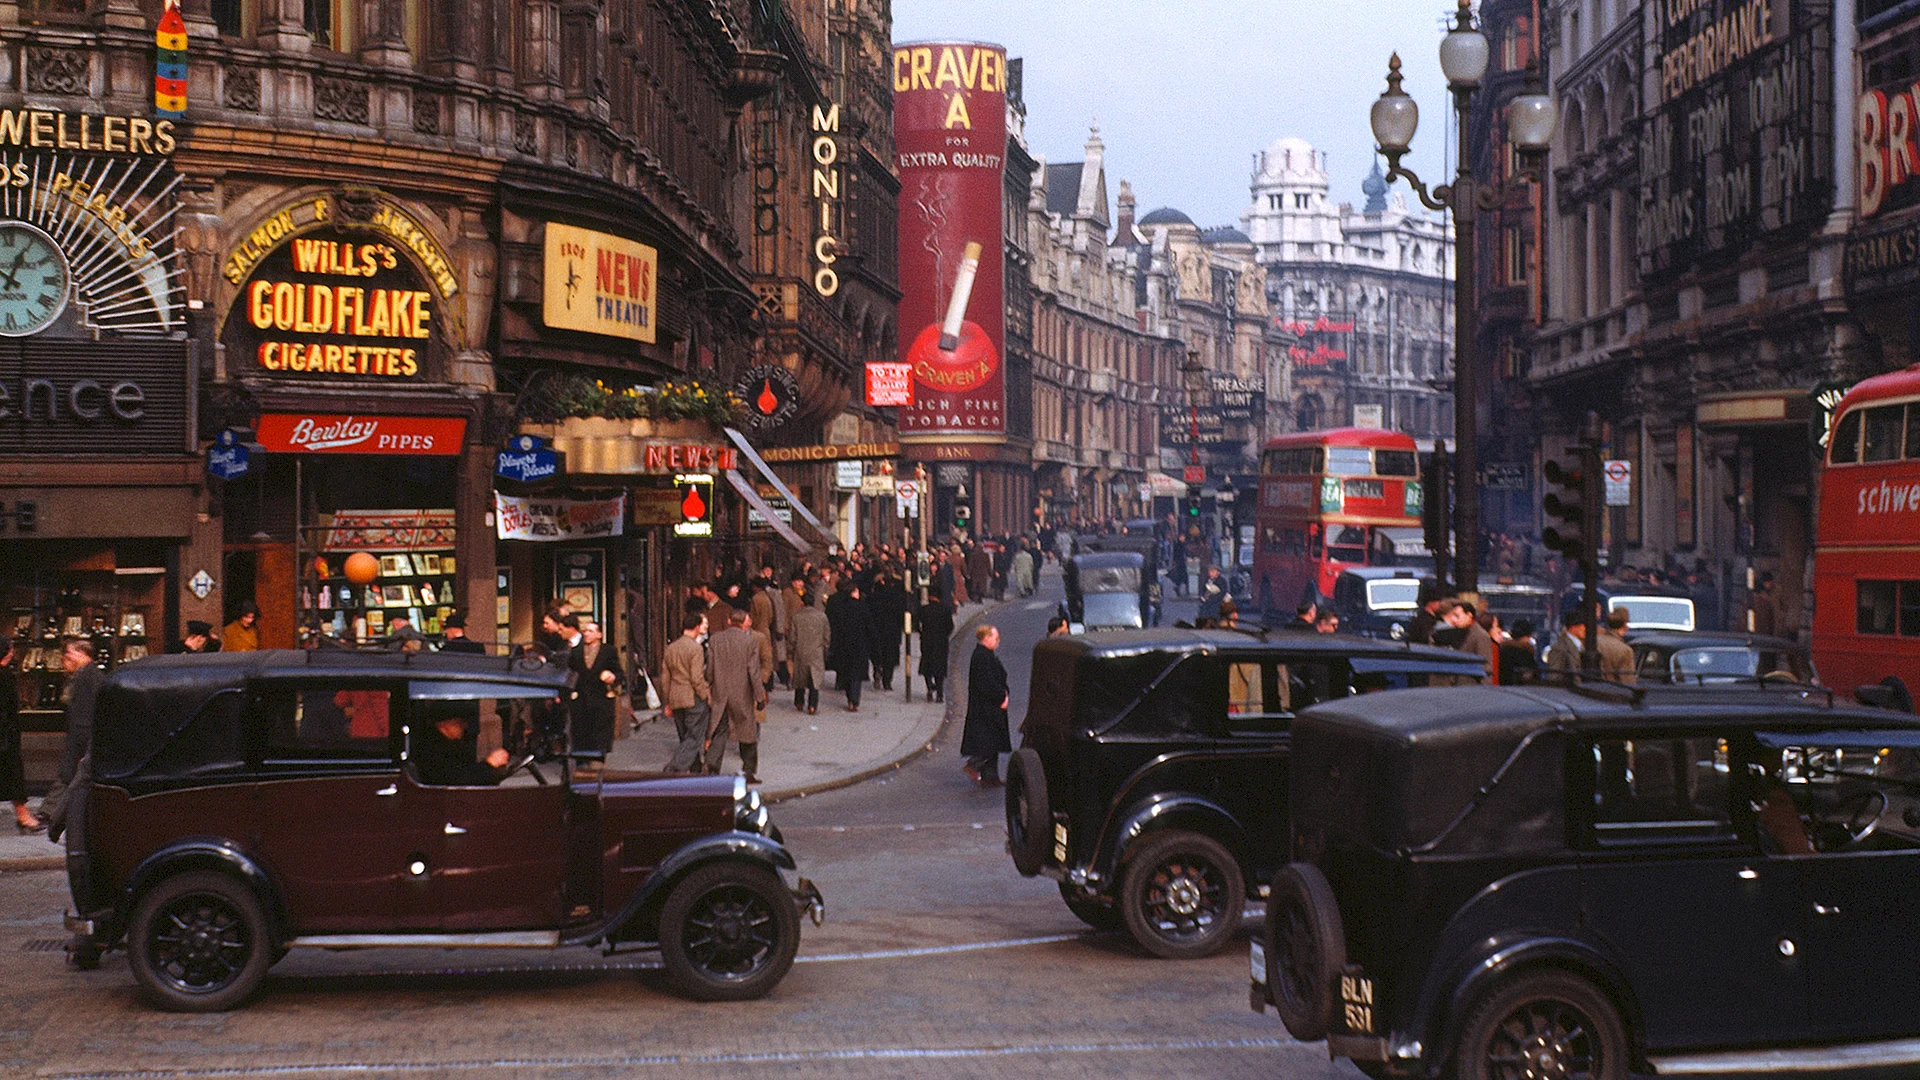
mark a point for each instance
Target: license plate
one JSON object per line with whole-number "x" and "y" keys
{"x": 1257, "y": 959}
{"x": 1356, "y": 1003}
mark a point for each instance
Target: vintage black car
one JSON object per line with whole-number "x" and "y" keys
{"x": 1592, "y": 881}
{"x": 1108, "y": 590}
{"x": 1377, "y": 601}
{"x": 1718, "y": 658}
{"x": 245, "y": 804}
{"x": 1152, "y": 777}
{"x": 1648, "y": 607}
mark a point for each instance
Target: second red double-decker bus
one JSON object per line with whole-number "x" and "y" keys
{"x": 1866, "y": 568}
{"x": 1325, "y": 497}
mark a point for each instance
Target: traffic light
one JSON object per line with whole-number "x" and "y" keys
{"x": 1577, "y": 506}
{"x": 1193, "y": 504}
{"x": 962, "y": 510}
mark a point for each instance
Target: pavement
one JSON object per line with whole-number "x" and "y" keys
{"x": 799, "y": 754}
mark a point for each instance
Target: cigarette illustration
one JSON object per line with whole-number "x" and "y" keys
{"x": 962, "y": 292}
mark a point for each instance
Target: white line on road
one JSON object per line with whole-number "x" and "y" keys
{"x": 775, "y": 1057}
{"x": 936, "y": 950}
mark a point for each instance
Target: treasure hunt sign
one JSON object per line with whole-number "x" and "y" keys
{"x": 950, "y": 132}
{"x": 1735, "y": 147}
{"x": 327, "y": 297}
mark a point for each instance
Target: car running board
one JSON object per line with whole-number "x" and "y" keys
{"x": 1800, "y": 1060}
{"x": 510, "y": 939}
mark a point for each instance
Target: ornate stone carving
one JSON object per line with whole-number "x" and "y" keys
{"x": 240, "y": 89}
{"x": 525, "y": 139}
{"x": 57, "y": 71}
{"x": 341, "y": 99}
{"x": 426, "y": 113}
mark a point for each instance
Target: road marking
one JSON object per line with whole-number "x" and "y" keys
{"x": 1036, "y": 605}
{"x": 771, "y": 1057}
{"x": 936, "y": 950}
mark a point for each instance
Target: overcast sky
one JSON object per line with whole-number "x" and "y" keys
{"x": 1187, "y": 91}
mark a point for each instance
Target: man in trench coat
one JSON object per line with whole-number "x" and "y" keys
{"x": 985, "y": 737}
{"x": 739, "y": 688}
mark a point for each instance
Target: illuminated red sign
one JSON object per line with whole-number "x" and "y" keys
{"x": 308, "y": 433}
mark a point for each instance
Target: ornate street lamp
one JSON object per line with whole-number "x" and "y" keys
{"x": 1531, "y": 118}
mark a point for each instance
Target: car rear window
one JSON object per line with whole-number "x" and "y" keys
{"x": 1108, "y": 685}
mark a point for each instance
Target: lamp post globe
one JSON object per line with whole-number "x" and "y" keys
{"x": 1464, "y": 51}
{"x": 1395, "y": 115}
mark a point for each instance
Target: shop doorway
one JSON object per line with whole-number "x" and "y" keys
{"x": 264, "y": 575}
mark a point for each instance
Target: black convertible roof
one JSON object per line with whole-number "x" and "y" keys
{"x": 148, "y": 705}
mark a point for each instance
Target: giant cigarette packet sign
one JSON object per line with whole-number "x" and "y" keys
{"x": 950, "y": 130}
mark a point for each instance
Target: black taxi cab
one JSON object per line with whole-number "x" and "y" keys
{"x": 1596, "y": 881}
{"x": 1151, "y": 781}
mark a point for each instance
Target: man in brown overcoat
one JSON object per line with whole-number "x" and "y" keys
{"x": 739, "y": 687}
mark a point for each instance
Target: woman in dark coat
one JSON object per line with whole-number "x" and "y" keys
{"x": 985, "y": 737}
{"x": 936, "y": 636}
{"x": 13, "y": 781}
{"x": 850, "y": 640}
{"x": 594, "y": 694}
{"x": 888, "y": 601}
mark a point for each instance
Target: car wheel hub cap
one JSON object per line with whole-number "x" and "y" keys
{"x": 1547, "y": 1058}
{"x": 1183, "y": 896}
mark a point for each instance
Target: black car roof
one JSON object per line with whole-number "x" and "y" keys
{"x": 1479, "y": 713}
{"x": 1707, "y": 639}
{"x": 147, "y": 703}
{"x": 1097, "y": 560}
{"x": 1179, "y": 640}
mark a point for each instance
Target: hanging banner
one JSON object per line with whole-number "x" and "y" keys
{"x": 950, "y": 131}
{"x": 518, "y": 518}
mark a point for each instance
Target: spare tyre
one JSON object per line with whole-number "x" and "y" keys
{"x": 1029, "y": 815}
{"x": 1306, "y": 950}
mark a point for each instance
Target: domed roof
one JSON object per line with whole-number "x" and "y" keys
{"x": 1166, "y": 215}
{"x": 1225, "y": 234}
{"x": 1291, "y": 156}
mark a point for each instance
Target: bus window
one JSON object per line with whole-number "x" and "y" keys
{"x": 1885, "y": 432}
{"x": 1874, "y": 603}
{"x": 1349, "y": 544}
{"x": 1913, "y": 432}
{"x": 1395, "y": 463}
{"x": 1349, "y": 461}
{"x": 1846, "y": 439}
{"x": 1910, "y": 608}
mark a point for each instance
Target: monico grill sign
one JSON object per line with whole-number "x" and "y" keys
{"x": 950, "y": 130}
{"x": 1738, "y": 145}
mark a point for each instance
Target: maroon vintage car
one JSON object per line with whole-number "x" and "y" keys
{"x": 242, "y": 805}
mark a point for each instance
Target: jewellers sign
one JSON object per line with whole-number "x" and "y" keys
{"x": 303, "y": 433}
{"x": 1739, "y": 145}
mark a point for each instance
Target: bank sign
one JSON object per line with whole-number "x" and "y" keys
{"x": 1739, "y": 145}
{"x": 600, "y": 284}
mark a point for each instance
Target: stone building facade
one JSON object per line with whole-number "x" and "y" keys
{"x": 381, "y": 228}
{"x": 1367, "y": 292}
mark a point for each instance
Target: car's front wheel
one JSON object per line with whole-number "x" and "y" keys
{"x": 728, "y": 932}
{"x": 1182, "y": 895}
{"x": 1545, "y": 1024}
{"x": 199, "y": 942}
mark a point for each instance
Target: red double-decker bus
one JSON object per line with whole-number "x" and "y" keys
{"x": 1866, "y": 566}
{"x": 1326, "y": 501}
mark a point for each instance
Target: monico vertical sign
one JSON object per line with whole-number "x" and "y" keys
{"x": 826, "y": 192}
{"x": 950, "y": 130}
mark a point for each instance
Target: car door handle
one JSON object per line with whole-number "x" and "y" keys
{"x": 390, "y": 789}
{"x": 453, "y": 830}
{"x": 1826, "y": 909}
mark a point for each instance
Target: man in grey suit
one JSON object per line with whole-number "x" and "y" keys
{"x": 738, "y": 687}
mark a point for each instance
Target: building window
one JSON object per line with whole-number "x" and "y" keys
{"x": 333, "y": 24}
{"x": 1273, "y": 201}
{"x": 1300, "y": 201}
{"x": 1519, "y": 252}
{"x": 227, "y": 17}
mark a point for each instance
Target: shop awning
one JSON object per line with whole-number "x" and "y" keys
{"x": 1165, "y": 486}
{"x": 754, "y": 500}
{"x": 741, "y": 485}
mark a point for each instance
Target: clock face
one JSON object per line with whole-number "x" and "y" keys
{"x": 34, "y": 282}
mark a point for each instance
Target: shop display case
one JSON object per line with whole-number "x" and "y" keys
{"x": 414, "y": 551}
{"x": 115, "y": 607}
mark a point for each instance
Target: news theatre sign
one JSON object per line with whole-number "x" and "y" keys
{"x": 1739, "y": 145}
{"x": 950, "y": 131}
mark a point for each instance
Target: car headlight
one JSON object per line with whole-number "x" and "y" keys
{"x": 1398, "y": 631}
{"x": 750, "y": 811}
